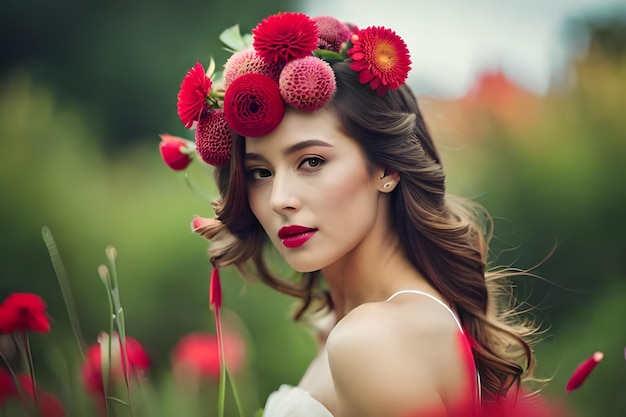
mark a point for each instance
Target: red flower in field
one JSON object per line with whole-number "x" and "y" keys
{"x": 7, "y": 386}
{"x": 253, "y": 105}
{"x": 137, "y": 361}
{"x": 283, "y": 37}
{"x": 582, "y": 372}
{"x": 175, "y": 151}
{"x": 381, "y": 57}
{"x": 197, "y": 354}
{"x": 24, "y": 311}
{"x": 192, "y": 97}
{"x": 48, "y": 404}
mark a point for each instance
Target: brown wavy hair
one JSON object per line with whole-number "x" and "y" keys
{"x": 446, "y": 238}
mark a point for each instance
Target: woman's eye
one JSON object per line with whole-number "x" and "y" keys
{"x": 312, "y": 163}
{"x": 258, "y": 174}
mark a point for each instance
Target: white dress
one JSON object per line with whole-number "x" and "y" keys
{"x": 291, "y": 401}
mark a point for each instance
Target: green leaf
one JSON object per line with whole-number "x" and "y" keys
{"x": 259, "y": 413}
{"x": 232, "y": 38}
{"x": 328, "y": 55}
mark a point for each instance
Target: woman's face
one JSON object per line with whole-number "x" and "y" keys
{"x": 310, "y": 188}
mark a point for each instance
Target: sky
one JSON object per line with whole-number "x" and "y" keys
{"x": 452, "y": 41}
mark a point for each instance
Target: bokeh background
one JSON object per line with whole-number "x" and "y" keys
{"x": 86, "y": 87}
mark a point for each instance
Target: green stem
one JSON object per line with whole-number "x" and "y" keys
{"x": 222, "y": 386}
{"x": 119, "y": 322}
{"x": 233, "y": 387}
{"x": 31, "y": 367}
{"x": 66, "y": 292}
{"x": 194, "y": 188}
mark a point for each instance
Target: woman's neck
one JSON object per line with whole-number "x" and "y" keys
{"x": 372, "y": 272}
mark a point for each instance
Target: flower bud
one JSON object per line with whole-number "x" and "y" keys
{"x": 175, "y": 151}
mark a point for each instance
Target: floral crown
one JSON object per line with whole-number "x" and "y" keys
{"x": 286, "y": 60}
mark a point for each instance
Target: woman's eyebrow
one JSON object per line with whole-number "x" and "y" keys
{"x": 305, "y": 144}
{"x": 290, "y": 149}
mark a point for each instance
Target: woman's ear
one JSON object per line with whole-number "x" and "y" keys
{"x": 387, "y": 181}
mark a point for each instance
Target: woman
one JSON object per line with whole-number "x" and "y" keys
{"x": 332, "y": 163}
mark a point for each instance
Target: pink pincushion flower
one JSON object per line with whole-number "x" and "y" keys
{"x": 307, "y": 83}
{"x": 253, "y": 105}
{"x": 332, "y": 33}
{"x": 22, "y": 312}
{"x": 214, "y": 138}
{"x": 283, "y": 37}
{"x": 175, "y": 151}
{"x": 193, "y": 94}
{"x": 380, "y": 57}
{"x": 248, "y": 61}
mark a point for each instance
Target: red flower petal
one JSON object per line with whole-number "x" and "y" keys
{"x": 283, "y": 37}
{"x": 214, "y": 139}
{"x": 253, "y": 105}
{"x": 173, "y": 153}
{"x": 192, "y": 97}
{"x": 582, "y": 372}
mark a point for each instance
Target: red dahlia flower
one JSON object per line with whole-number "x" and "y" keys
{"x": 175, "y": 151}
{"x": 283, "y": 37}
{"x": 381, "y": 57}
{"x": 214, "y": 138}
{"x": 137, "y": 361}
{"x": 24, "y": 311}
{"x": 253, "y": 105}
{"x": 192, "y": 97}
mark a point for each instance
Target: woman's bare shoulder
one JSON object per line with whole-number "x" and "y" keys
{"x": 388, "y": 358}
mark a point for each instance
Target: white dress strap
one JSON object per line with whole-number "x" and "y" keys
{"x": 432, "y": 297}
{"x": 458, "y": 322}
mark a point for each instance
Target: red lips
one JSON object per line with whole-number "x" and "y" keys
{"x": 295, "y": 236}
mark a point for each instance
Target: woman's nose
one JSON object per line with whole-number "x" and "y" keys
{"x": 284, "y": 198}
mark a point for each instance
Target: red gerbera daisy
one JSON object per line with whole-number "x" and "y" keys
{"x": 381, "y": 57}
{"x": 283, "y": 37}
{"x": 192, "y": 97}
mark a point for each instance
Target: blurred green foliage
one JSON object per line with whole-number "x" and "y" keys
{"x": 86, "y": 90}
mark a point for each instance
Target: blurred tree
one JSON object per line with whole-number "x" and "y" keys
{"x": 122, "y": 61}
